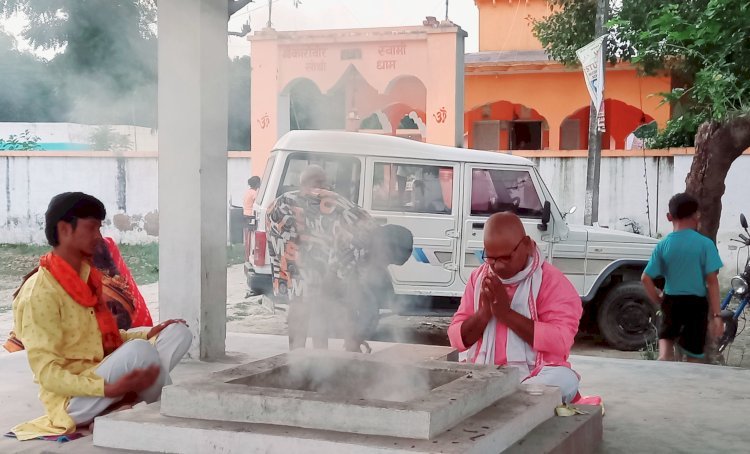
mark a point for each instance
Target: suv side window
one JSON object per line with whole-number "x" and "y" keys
{"x": 412, "y": 188}
{"x": 266, "y": 176}
{"x": 494, "y": 190}
{"x": 343, "y": 173}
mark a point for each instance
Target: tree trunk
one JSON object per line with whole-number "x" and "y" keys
{"x": 717, "y": 145}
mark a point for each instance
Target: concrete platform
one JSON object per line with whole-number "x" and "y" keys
{"x": 344, "y": 392}
{"x": 407, "y": 353}
{"x": 488, "y": 432}
{"x": 578, "y": 434}
{"x": 651, "y": 406}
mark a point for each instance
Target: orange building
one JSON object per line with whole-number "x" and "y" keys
{"x": 417, "y": 82}
{"x": 516, "y": 98}
{"x": 405, "y": 81}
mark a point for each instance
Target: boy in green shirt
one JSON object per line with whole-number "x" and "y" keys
{"x": 689, "y": 262}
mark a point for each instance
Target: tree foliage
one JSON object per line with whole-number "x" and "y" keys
{"x": 28, "y": 91}
{"x": 239, "y": 104}
{"x": 704, "y": 44}
{"x": 21, "y": 142}
{"x": 107, "y": 64}
{"x": 105, "y": 138}
{"x": 105, "y": 71}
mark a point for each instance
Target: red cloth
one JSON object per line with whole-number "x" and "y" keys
{"x": 142, "y": 315}
{"x": 87, "y": 294}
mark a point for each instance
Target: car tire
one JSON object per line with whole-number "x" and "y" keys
{"x": 627, "y": 318}
{"x": 730, "y": 330}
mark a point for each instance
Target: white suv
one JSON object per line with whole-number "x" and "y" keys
{"x": 444, "y": 195}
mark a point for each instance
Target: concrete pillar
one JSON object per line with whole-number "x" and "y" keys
{"x": 554, "y": 132}
{"x": 193, "y": 169}
{"x": 445, "y": 88}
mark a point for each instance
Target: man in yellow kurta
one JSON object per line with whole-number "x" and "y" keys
{"x": 82, "y": 363}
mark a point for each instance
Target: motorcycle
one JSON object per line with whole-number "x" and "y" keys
{"x": 740, "y": 292}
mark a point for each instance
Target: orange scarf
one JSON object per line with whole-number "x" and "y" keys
{"x": 87, "y": 294}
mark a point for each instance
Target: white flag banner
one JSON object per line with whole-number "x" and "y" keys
{"x": 590, "y": 56}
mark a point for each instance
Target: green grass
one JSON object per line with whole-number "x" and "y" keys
{"x": 18, "y": 259}
{"x": 235, "y": 254}
{"x": 25, "y": 249}
{"x": 143, "y": 259}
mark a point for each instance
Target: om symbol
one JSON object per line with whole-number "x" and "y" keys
{"x": 441, "y": 115}
{"x": 264, "y": 121}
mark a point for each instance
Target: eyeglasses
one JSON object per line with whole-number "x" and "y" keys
{"x": 503, "y": 258}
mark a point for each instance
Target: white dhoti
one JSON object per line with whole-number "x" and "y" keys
{"x": 171, "y": 345}
{"x": 560, "y": 376}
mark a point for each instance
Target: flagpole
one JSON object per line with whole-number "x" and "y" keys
{"x": 270, "y": 7}
{"x": 593, "y": 165}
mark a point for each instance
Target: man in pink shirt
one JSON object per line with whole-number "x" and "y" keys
{"x": 253, "y": 183}
{"x": 518, "y": 310}
{"x": 248, "y": 202}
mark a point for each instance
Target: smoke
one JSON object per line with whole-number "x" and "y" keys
{"x": 353, "y": 378}
{"x": 103, "y": 70}
{"x": 109, "y": 65}
{"x": 28, "y": 91}
{"x": 310, "y": 109}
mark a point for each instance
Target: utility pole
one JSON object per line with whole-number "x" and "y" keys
{"x": 593, "y": 169}
{"x": 270, "y": 8}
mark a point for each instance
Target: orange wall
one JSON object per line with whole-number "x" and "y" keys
{"x": 555, "y": 96}
{"x": 408, "y": 91}
{"x": 619, "y": 119}
{"x": 503, "y": 24}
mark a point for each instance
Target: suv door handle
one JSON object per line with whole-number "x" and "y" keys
{"x": 452, "y": 233}
{"x": 477, "y": 225}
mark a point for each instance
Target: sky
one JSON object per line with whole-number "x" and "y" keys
{"x": 327, "y": 14}
{"x": 324, "y": 14}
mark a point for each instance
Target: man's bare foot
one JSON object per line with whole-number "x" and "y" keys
{"x": 126, "y": 406}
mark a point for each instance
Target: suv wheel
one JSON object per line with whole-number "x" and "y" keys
{"x": 627, "y": 318}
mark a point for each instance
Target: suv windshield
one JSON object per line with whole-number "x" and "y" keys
{"x": 343, "y": 173}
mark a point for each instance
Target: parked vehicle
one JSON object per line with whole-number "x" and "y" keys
{"x": 739, "y": 294}
{"x": 444, "y": 195}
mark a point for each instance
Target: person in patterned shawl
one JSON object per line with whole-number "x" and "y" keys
{"x": 318, "y": 243}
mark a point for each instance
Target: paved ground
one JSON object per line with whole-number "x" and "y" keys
{"x": 650, "y": 406}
